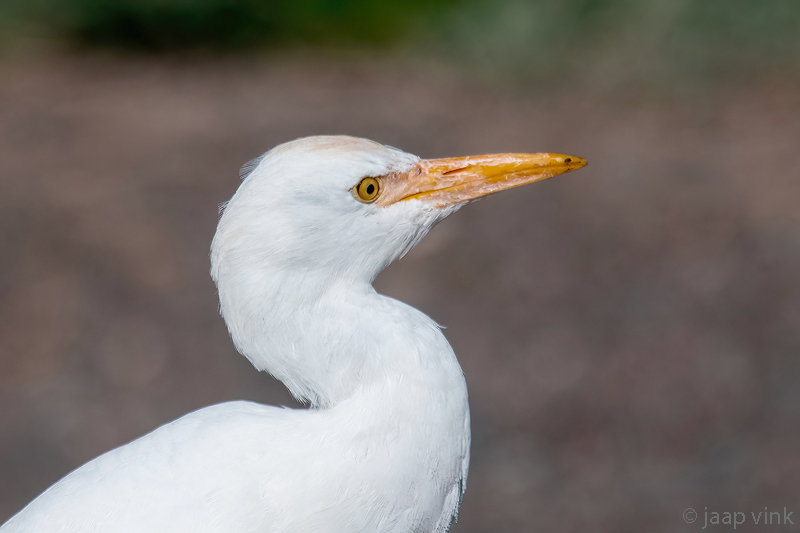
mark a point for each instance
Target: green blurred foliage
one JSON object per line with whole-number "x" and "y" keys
{"x": 653, "y": 39}
{"x": 606, "y": 40}
{"x": 163, "y": 25}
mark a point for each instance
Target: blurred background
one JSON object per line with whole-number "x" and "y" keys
{"x": 630, "y": 333}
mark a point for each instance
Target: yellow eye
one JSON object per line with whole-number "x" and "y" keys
{"x": 367, "y": 190}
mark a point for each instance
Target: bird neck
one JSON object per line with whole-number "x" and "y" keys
{"x": 326, "y": 339}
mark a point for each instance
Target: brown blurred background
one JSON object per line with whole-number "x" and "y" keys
{"x": 630, "y": 333}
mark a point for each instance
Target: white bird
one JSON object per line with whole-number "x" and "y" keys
{"x": 384, "y": 446}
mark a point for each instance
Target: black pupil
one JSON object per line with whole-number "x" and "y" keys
{"x": 370, "y": 189}
{"x": 568, "y": 160}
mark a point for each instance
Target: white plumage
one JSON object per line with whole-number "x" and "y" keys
{"x": 385, "y": 444}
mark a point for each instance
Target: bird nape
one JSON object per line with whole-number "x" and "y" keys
{"x": 384, "y": 446}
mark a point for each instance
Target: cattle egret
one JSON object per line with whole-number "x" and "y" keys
{"x": 384, "y": 446}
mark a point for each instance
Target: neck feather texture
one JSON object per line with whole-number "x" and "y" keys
{"x": 325, "y": 338}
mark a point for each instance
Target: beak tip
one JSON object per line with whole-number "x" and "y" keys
{"x": 571, "y": 162}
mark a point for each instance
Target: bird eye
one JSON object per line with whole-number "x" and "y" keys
{"x": 367, "y": 190}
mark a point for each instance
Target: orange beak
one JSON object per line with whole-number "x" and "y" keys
{"x": 455, "y": 180}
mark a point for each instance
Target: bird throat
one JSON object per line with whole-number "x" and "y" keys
{"x": 325, "y": 340}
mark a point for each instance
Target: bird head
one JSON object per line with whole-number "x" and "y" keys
{"x": 344, "y": 208}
